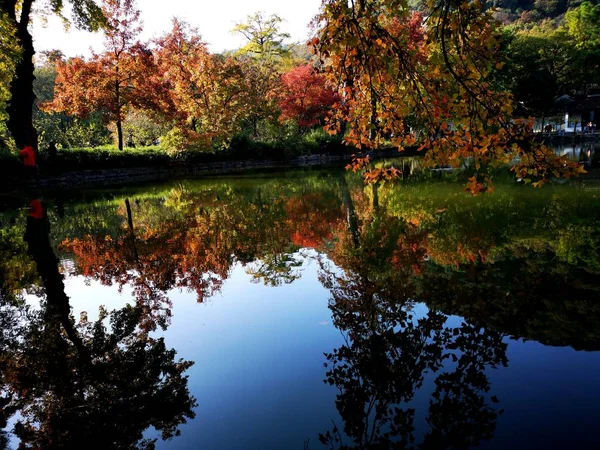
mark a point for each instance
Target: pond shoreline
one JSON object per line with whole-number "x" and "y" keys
{"x": 123, "y": 176}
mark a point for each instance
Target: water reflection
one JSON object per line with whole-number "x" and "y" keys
{"x": 426, "y": 285}
{"x": 389, "y": 349}
{"x": 72, "y": 383}
{"x": 584, "y": 152}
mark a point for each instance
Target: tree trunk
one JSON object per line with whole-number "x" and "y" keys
{"x": 543, "y": 123}
{"x": 131, "y": 231}
{"x": 20, "y": 106}
{"x": 351, "y": 218}
{"x": 375, "y": 189}
{"x": 373, "y": 121}
{"x": 58, "y": 309}
{"x": 119, "y": 107}
{"x": 120, "y": 134}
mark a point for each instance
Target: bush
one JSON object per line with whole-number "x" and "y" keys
{"x": 242, "y": 147}
{"x": 179, "y": 141}
{"x": 292, "y": 146}
{"x": 319, "y": 141}
{"x": 104, "y": 157}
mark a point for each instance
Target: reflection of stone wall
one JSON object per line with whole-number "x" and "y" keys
{"x": 140, "y": 174}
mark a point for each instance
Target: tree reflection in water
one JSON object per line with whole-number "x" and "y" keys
{"x": 101, "y": 383}
{"x": 510, "y": 264}
{"x": 389, "y": 350}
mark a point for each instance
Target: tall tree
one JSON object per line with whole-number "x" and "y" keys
{"x": 394, "y": 66}
{"x": 86, "y": 15}
{"x": 122, "y": 77}
{"x": 264, "y": 57}
{"x": 265, "y": 39}
{"x": 9, "y": 55}
{"x": 207, "y": 92}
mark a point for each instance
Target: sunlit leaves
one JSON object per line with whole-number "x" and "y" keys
{"x": 264, "y": 38}
{"x": 121, "y": 77}
{"x": 211, "y": 95}
{"x": 305, "y": 96}
{"x": 394, "y": 67}
{"x": 9, "y": 56}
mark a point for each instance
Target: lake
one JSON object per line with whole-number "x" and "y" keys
{"x": 301, "y": 310}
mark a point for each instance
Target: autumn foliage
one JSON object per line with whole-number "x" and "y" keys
{"x": 407, "y": 78}
{"x": 306, "y": 97}
{"x": 114, "y": 81}
{"x": 382, "y": 75}
{"x": 208, "y": 93}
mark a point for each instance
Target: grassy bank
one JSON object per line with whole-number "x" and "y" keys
{"x": 110, "y": 157}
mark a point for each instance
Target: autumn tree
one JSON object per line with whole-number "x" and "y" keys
{"x": 206, "y": 90}
{"x": 264, "y": 58}
{"x": 262, "y": 83}
{"x": 399, "y": 71}
{"x": 58, "y": 127}
{"x": 9, "y": 56}
{"x": 17, "y": 16}
{"x": 305, "y": 97}
{"x": 265, "y": 39}
{"x": 121, "y": 78}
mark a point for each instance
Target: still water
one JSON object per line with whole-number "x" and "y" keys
{"x": 301, "y": 310}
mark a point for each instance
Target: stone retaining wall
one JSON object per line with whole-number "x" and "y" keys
{"x": 107, "y": 177}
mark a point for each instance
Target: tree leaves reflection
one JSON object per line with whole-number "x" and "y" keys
{"x": 105, "y": 382}
{"x": 390, "y": 350}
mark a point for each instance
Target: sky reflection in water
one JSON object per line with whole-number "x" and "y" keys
{"x": 309, "y": 305}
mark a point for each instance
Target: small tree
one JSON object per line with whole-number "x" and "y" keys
{"x": 121, "y": 78}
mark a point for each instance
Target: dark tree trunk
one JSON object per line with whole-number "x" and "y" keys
{"x": 373, "y": 121}
{"x": 120, "y": 134}
{"x": 351, "y": 218}
{"x": 58, "y": 309}
{"x": 119, "y": 109}
{"x": 20, "y": 106}
{"x": 543, "y": 123}
{"x": 131, "y": 231}
{"x": 375, "y": 188}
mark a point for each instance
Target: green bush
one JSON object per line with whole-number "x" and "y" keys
{"x": 319, "y": 141}
{"x": 103, "y": 157}
{"x": 242, "y": 147}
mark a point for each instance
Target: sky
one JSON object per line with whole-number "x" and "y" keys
{"x": 213, "y": 18}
